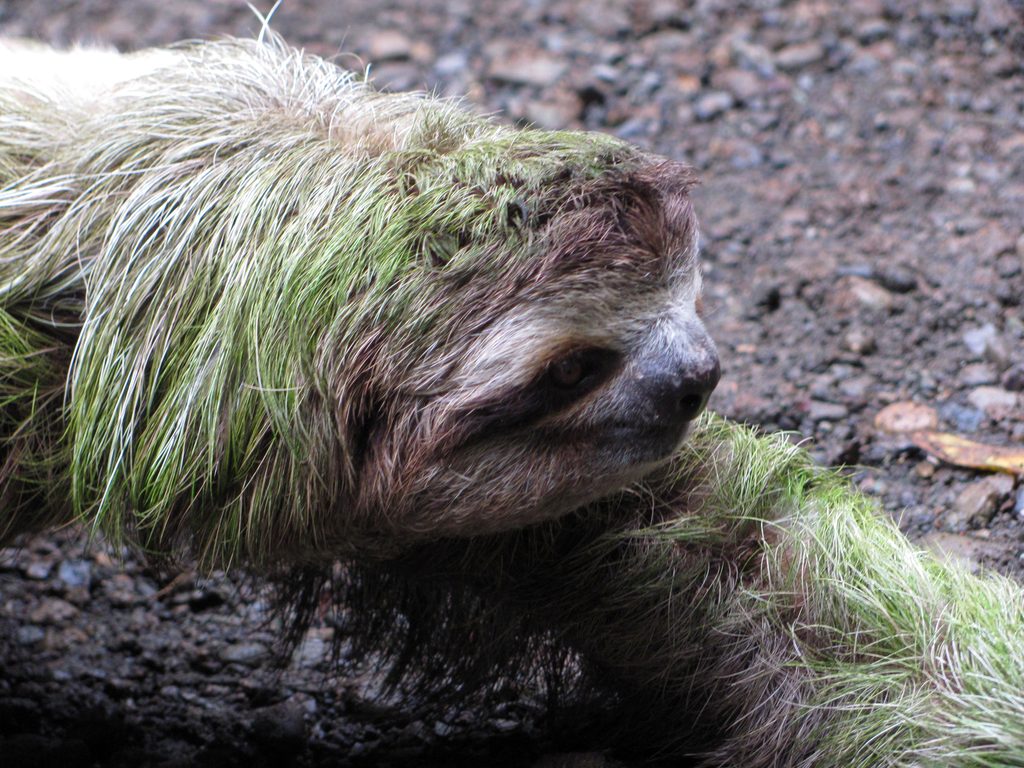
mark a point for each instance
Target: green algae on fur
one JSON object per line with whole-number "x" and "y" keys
{"x": 744, "y": 607}
{"x": 256, "y": 283}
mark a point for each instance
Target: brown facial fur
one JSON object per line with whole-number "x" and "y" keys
{"x": 336, "y": 323}
{"x": 474, "y": 445}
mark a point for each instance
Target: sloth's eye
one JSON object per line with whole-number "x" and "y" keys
{"x": 561, "y": 382}
{"x": 580, "y": 369}
{"x": 568, "y": 372}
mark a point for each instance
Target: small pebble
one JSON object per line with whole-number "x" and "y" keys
{"x": 859, "y": 341}
{"x": 251, "y": 654}
{"x": 39, "y": 570}
{"x": 870, "y": 294}
{"x": 389, "y": 45}
{"x": 977, "y": 339}
{"x": 988, "y": 343}
{"x": 711, "y": 105}
{"x": 977, "y": 503}
{"x": 799, "y": 55}
{"x": 1013, "y": 378}
{"x": 75, "y": 573}
{"x": 442, "y": 729}
{"x": 819, "y": 411}
{"x": 538, "y": 70}
{"x": 29, "y": 634}
{"x": 962, "y": 418}
{"x": 504, "y": 725}
{"x": 924, "y": 469}
{"x": 53, "y": 611}
{"x": 872, "y": 30}
{"x": 996, "y": 402}
{"x": 896, "y": 279}
{"x": 976, "y": 374}
{"x": 281, "y": 724}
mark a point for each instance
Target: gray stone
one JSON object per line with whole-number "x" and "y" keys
{"x": 819, "y": 411}
{"x": 53, "y": 611}
{"x": 250, "y": 654}
{"x": 442, "y": 729}
{"x": 966, "y": 551}
{"x": 39, "y": 570}
{"x": 859, "y": 341}
{"x": 538, "y": 70}
{"x": 996, "y": 402}
{"x": 552, "y": 114}
{"x": 799, "y": 55}
{"x": 872, "y": 30}
{"x": 856, "y": 387}
{"x": 29, "y": 634}
{"x": 896, "y": 279}
{"x": 1013, "y": 378}
{"x": 976, "y": 374}
{"x": 451, "y": 64}
{"x": 314, "y": 647}
{"x": 977, "y": 339}
{"x": 120, "y": 590}
{"x": 505, "y": 725}
{"x": 711, "y": 105}
{"x": 75, "y": 573}
{"x": 988, "y": 343}
{"x": 870, "y": 294}
{"x": 996, "y": 16}
{"x": 741, "y": 83}
{"x": 753, "y": 56}
{"x": 978, "y": 502}
{"x": 963, "y": 418}
{"x": 389, "y": 45}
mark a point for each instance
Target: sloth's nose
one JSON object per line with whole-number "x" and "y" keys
{"x": 680, "y": 395}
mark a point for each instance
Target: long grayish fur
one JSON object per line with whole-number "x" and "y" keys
{"x": 252, "y": 308}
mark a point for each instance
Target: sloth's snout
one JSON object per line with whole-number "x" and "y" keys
{"x": 696, "y": 388}
{"x": 677, "y": 395}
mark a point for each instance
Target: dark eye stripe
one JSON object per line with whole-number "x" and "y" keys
{"x": 544, "y": 396}
{"x": 579, "y": 371}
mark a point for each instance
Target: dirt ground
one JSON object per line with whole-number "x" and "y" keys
{"x": 863, "y": 237}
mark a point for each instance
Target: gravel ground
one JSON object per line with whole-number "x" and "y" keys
{"x": 863, "y": 169}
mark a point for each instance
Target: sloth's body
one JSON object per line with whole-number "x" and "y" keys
{"x": 748, "y": 608}
{"x": 250, "y": 305}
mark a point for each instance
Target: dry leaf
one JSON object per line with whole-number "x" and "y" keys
{"x": 967, "y": 453}
{"x": 906, "y": 417}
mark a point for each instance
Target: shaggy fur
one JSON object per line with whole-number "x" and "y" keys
{"x": 250, "y": 306}
{"x": 745, "y": 607}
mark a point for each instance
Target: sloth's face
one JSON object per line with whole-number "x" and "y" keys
{"x": 579, "y": 395}
{"x": 584, "y": 382}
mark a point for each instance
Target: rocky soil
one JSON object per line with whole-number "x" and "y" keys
{"x": 863, "y": 217}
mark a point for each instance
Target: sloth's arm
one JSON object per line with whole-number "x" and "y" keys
{"x": 749, "y": 607}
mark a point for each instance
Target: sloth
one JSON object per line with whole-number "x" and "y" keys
{"x": 740, "y": 606}
{"x": 253, "y": 309}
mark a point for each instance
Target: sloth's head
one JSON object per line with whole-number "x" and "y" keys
{"x": 548, "y": 379}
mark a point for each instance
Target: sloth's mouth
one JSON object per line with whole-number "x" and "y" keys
{"x": 639, "y": 443}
